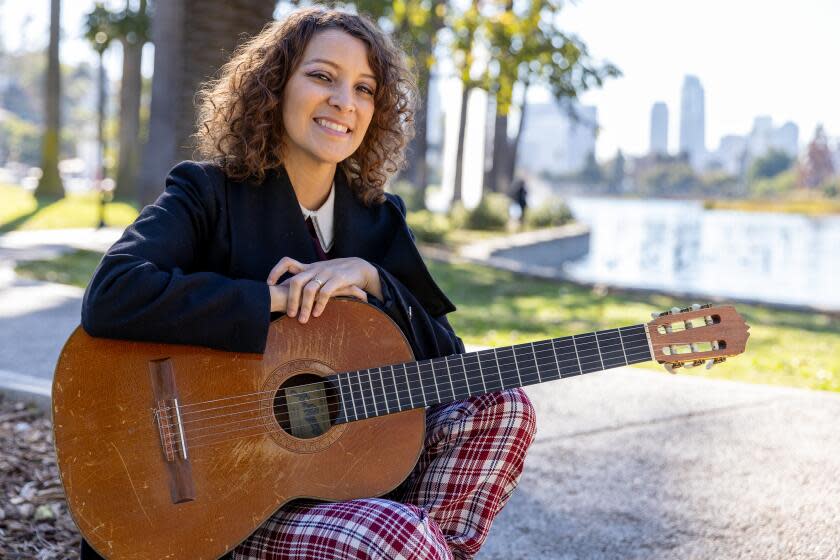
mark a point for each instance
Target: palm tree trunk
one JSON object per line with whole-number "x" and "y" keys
{"x": 501, "y": 148}
{"x": 514, "y": 151}
{"x": 50, "y": 182}
{"x": 459, "y": 163}
{"x": 129, "y": 131}
{"x": 100, "y": 123}
{"x": 188, "y": 50}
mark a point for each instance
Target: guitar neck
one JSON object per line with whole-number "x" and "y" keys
{"x": 394, "y": 388}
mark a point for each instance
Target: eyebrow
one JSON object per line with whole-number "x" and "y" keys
{"x": 334, "y": 65}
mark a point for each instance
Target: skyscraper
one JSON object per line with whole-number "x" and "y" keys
{"x": 659, "y": 128}
{"x": 693, "y": 120}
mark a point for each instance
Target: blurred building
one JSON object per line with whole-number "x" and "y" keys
{"x": 556, "y": 139}
{"x": 693, "y": 120}
{"x": 735, "y": 152}
{"x": 659, "y": 128}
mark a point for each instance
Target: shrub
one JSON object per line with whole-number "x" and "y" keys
{"x": 411, "y": 195}
{"x": 428, "y": 227}
{"x": 551, "y": 213}
{"x": 490, "y": 214}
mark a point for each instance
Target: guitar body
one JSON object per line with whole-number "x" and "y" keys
{"x": 121, "y": 410}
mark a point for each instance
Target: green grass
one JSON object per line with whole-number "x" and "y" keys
{"x": 807, "y": 206}
{"x": 498, "y": 308}
{"x": 74, "y": 268}
{"x": 20, "y": 210}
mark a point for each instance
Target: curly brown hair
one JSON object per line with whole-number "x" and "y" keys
{"x": 240, "y": 123}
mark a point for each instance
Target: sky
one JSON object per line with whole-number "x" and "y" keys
{"x": 753, "y": 57}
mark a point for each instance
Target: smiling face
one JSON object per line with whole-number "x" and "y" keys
{"x": 328, "y": 99}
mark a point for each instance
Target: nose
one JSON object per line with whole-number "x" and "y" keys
{"x": 342, "y": 99}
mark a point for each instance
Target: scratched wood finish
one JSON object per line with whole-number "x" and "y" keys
{"x": 113, "y": 469}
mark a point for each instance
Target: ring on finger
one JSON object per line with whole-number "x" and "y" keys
{"x": 320, "y": 283}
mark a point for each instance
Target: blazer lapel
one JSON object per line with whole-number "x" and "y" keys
{"x": 266, "y": 225}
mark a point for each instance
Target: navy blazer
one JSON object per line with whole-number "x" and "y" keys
{"x": 192, "y": 268}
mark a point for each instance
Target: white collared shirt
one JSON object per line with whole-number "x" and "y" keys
{"x": 322, "y": 219}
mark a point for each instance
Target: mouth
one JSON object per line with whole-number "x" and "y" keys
{"x": 333, "y": 128}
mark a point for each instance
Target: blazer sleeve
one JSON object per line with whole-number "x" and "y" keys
{"x": 430, "y": 336}
{"x": 148, "y": 286}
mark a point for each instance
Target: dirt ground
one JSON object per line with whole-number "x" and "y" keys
{"x": 34, "y": 521}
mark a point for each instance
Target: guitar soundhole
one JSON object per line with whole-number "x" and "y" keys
{"x": 306, "y": 406}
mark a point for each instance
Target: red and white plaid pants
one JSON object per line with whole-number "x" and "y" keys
{"x": 471, "y": 461}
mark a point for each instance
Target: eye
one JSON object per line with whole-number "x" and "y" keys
{"x": 319, "y": 75}
{"x": 367, "y": 90}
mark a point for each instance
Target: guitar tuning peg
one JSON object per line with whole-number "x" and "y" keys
{"x": 675, "y": 310}
{"x": 710, "y": 363}
{"x": 695, "y": 306}
{"x": 670, "y": 368}
{"x": 689, "y": 365}
{"x": 655, "y": 315}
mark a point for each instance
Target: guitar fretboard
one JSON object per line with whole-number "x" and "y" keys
{"x": 394, "y": 388}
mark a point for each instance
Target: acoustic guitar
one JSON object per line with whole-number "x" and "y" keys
{"x": 181, "y": 452}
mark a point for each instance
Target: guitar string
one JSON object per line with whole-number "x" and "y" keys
{"x": 398, "y": 386}
{"x": 542, "y": 342}
{"x": 259, "y": 423}
{"x": 419, "y": 372}
{"x": 526, "y": 371}
{"x": 550, "y": 348}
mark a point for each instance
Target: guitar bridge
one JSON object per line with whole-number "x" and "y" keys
{"x": 173, "y": 439}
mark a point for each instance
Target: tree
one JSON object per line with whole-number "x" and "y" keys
{"x": 528, "y": 47}
{"x": 192, "y": 38}
{"x": 99, "y": 31}
{"x": 465, "y": 28}
{"x": 591, "y": 172}
{"x": 770, "y": 164}
{"x": 415, "y": 25}
{"x": 132, "y": 30}
{"x": 50, "y": 182}
{"x": 817, "y": 166}
{"x": 616, "y": 180}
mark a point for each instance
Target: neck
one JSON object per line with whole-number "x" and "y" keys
{"x": 394, "y": 388}
{"x": 311, "y": 180}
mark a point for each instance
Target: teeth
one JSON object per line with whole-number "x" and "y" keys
{"x": 332, "y": 126}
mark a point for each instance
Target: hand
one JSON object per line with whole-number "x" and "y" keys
{"x": 307, "y": 292}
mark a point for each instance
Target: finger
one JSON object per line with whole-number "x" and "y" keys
{"x": 286, "y": 264}
{"x": 307, "y": 300}
{"x": 332, "y": 288}
{"x": 296, "y": 284}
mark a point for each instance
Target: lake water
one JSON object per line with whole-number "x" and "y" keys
{"x": 679, "y": 246}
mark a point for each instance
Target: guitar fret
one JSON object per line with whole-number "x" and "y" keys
{"x": 623, "y": 351}
{"x": 499, "y": 369}
{"x": 516, "y": 365}
{"x": 534, "y": 352}
{"x": 434, "y": 378}
{"x": 384, "y": 393}
{"x": 580, "y": 367}
{"x": 408, "y": 385}
{"x": 341, "y": 396}
{"x": 361, "y": 392}
{"x": 598, "y": 347}
{"x": 372, "y": 394}
{"x": 449, "y": 375}
{"x": 464, "y": 365}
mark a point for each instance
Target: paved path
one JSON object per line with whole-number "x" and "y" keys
{"x": 626, "y": 464}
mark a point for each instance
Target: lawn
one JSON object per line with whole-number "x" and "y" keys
{"x": 20, "y": 210}
{"x": 498, "y": 308}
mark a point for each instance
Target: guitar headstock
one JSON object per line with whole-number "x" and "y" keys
{"x": 696, "y": 335}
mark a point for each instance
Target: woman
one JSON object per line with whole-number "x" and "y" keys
{"x": 301, "y": 131}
